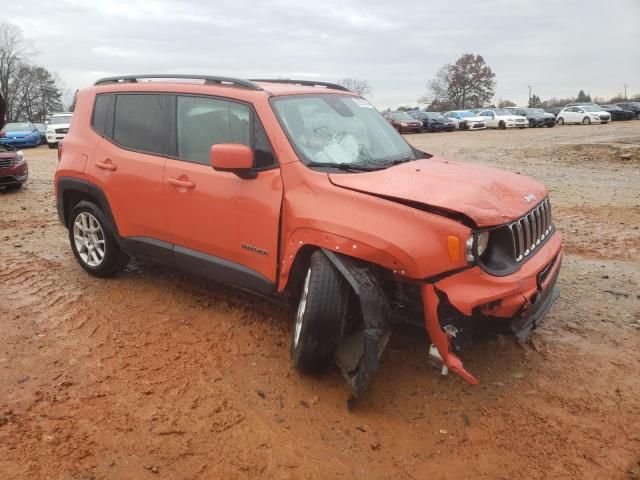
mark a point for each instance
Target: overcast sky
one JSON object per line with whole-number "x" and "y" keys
{"x": 556, "y": 46}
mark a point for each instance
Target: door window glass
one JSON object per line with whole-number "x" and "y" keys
{"x": 202, "y": 122}
{"x": 141, "y": 122}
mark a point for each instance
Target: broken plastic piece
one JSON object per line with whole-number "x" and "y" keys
{"x": 441, "y": 338}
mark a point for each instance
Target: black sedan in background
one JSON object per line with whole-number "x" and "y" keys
{"x": 633, "y": 106}
{"x": 618, "y": 113}
{"x": 536, "y": 116}
{"x": 433, "y": 121}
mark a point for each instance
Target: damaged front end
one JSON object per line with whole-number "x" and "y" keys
{"x": 453, "y": 310}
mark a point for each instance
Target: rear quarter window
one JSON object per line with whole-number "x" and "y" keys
{"x": 102, "y": 119}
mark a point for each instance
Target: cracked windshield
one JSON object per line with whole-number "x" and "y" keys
{"x": 340, "y": 131}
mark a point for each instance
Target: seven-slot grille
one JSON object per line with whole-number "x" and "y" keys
{"x": 528, "y": 231}
{"x": 6, "y": 162}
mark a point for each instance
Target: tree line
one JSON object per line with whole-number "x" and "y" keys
{"x": 28, "y": 92}
{"x": 470, "y": 83}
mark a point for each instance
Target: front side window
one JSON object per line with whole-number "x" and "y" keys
{"x": 142, "y": 122}
{"x": 334, "y": 129}
{"x": 202, "y": 122}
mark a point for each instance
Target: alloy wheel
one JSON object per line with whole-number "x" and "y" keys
{"x": 89, "y": 239}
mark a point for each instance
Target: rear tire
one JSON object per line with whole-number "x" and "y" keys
{"x": 93, "y": 242}
{"x": 318, "y": 324}
{"x": 586, "y": 121}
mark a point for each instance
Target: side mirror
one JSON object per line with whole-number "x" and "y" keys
{"x": 232, "y": 157}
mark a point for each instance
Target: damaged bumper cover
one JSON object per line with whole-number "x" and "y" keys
{"x": 522, "y": 298}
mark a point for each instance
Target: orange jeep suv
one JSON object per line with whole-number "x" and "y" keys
{"x": 302, "y": 191}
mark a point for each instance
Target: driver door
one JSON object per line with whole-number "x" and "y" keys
{"x": 224, "y": 227}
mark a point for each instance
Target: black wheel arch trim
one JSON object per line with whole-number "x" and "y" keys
{"x": 67, "y": 184}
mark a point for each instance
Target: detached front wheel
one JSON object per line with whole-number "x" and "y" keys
{"x": 318, "y": 324}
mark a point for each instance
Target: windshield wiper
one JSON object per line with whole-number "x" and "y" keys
{"x": 344, "y": 166}
{"x": 397, "y": 161}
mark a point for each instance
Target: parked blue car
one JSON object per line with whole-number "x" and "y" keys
{"x": 23, "y": 134}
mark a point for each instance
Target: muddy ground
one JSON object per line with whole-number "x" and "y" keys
{"x": 155, "y": 374}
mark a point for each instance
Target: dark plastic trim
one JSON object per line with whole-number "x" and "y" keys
{"x": 208, "y": 80}
{"x": 306, "y": 83}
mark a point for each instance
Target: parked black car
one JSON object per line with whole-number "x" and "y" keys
{"x": 536, "y": 116}
{"x": 433, "y": 121}
{"x": 553, "y": 110}
{"x": 633, "y": 106}
{"x": 618, "y": 113}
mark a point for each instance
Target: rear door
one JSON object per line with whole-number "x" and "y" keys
{"x": 128, "y": 162}
{"x": 224, "y": 227}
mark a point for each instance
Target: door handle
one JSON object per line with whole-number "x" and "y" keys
{"x": 106, "y": 165}
{"x": 177, "y": 182}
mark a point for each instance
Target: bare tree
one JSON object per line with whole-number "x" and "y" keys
{"x": 33, "y": 94}
{"x": 28, "y": 92}
{"x": 361, "y": 87}
{"x": 13, "y": 48}
{"x": 467, "y": 83}
{"x": 506, "y": 103}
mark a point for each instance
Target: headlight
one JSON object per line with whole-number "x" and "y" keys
{"x": 19, "y": 157}
{"x": 403, "y": 124}
{"x": 481, "y": 241}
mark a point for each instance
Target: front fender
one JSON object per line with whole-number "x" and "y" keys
{"x": 308, "y": 237}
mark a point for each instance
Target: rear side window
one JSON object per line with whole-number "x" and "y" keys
{"x": 102, "y": 119}
{"x": 142, "y": 122}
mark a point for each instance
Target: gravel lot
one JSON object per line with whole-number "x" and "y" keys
{"x": 158, "y": 374}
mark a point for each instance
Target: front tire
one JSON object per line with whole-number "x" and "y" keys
{"x": 318, "y": 324}
{"x": 560, "y": 121}
{"x": 93, "y": 243}
{"x": 501, "y": 125}
{"x": 52, "y": 145}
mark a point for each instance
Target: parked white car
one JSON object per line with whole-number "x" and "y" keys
{"x": 57, "y": 128}
{"x": 466, "y": 120}
{"x": 585, "y": 114}
{"x": 501, "y": 118}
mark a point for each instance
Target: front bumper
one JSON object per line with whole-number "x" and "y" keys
{"x": 55, "y": 137}
{"x": 520, "y": 300}
{"x": 14, "y": 175}
{"x": 21, "y": 142}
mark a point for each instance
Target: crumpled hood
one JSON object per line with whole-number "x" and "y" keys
{"x": 486, "y": 195}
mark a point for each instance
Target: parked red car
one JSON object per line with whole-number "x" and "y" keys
{"x": 403, "y": 122}
{"x": 13, "y": 168}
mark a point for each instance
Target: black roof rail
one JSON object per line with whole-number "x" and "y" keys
{"x": 208, "y": 79}
{"x": 308, "y": 83}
